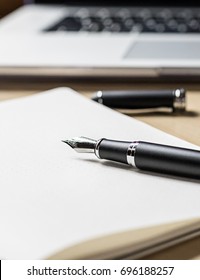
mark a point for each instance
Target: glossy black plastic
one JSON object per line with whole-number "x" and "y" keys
{"x": 114, "y": 150}
{"x": 137, "y": 99}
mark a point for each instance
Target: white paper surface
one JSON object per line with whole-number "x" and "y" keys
{"x": 52, "y": 197}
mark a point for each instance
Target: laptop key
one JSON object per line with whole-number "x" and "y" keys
{"x": 107, "y": 22}
{"x": 150, "y": 24}
{"x": 160, "y": 28}
{"x": 103, "y": 13}
{"x": 91, "y": 24}
{"x": 182, "y": 28}
{"x": 164, "y": 15}
{"x": 115, "y": 27}
{"x": 128, "y": 23}
{"x": 172, "y": 25}
{"x": 194, "y": 25}
{"x": 185, "y": 15}
{"x": 92, "y": 27}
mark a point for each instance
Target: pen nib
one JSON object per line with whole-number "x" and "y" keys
{"x": 81, "y": 144}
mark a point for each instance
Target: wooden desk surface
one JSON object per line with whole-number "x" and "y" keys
{"x": 185, "y": 126}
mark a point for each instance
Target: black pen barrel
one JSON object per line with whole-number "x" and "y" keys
{"x": 152, "y": 157}
{"x": 168, "y": 160}
{"x": 133, "y": 99}
{"x": 113, "y": 150}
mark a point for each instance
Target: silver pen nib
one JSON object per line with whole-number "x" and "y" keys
{"x": 82, "y": 144}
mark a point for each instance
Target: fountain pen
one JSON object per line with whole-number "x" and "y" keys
{"x": 142, "y": 155}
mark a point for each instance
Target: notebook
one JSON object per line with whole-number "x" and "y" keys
{"x": 147, "y": 39}
{"x": 53, "y": 199}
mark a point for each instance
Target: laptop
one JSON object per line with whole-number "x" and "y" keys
{"x": 78, "y": 38}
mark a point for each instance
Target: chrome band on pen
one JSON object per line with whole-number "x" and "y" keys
{"x": 131, "y": 153}
{"x": 179, "y": 102}
{"x": 99, "y": 96}
{"x": 96, "y": 149}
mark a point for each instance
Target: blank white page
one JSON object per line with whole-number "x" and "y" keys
{"x": 52, "y": 197}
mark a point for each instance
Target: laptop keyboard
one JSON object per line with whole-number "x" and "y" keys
{"x": 162, "y": 21}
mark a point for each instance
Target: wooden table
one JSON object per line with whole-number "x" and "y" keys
{"x": 185, "y": 126}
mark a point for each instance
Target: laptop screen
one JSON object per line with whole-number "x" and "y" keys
{"x": 122, "y": 3}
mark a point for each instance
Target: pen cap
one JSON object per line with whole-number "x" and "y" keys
{"x": 142, "y": 99}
